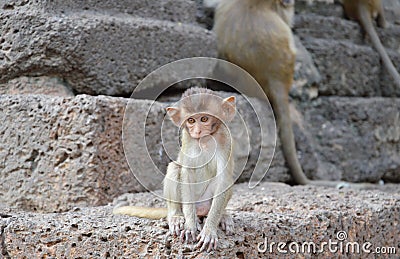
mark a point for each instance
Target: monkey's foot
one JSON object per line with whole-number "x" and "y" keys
{"x": 176, "y": 224}
{"x": 227, "y": 224}
{"x": 382, "y": 22}
{"x": 188, "y": 235}
{"x": 189, "y": 231}
{"x": 207, "y": 239}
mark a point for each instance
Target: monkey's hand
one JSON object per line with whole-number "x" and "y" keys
{"x": 176, "y": 224}
{"x": 207, "y": 239}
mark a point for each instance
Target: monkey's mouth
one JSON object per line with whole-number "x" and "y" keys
{"x": 201, "y": 135}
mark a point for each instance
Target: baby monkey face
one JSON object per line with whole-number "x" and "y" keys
{"x": 201, "y": 124}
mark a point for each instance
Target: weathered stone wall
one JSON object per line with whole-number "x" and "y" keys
{"x": 74, "y": 147}
{"x": 102, "y": 47}
{"x": 64, "y": 153}
{"x": 59, "y": 152}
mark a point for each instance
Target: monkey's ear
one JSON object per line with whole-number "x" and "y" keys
{"x": 229, "y": 108}
{"x": 175, "y": 115}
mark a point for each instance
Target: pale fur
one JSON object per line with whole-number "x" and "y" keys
{"x": 200, "y": 182}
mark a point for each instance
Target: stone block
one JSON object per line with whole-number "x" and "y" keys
{"x": 94, "y": 52}
{"x": 271, "y": 212}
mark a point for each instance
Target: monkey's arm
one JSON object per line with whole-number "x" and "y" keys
{"x": 172, "y": 194}
{"x": 208, "y": 238}
{"x": 188, "y": 205}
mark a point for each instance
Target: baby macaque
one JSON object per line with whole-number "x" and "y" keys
{"x": 199, "y": 182}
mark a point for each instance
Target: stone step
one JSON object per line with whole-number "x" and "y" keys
{"x": 333, "y": 8}
{"x": 320, "y": 7}
{"x": 356, "y": 139}
{"x": 336, "y": 28}
{"x": 267, "y": 215}
{"x": 73, "y": 147}
{"x": 183, "y": 11}
{"x": 348, "y": 69}
{"x": 94, "y": 53}
{"x": 62, "y": 152}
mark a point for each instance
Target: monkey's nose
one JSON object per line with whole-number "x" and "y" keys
{"x": 197, "y": 134}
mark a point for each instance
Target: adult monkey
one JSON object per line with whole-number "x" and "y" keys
{"x": 256, "y": 35}
{"x": 364, "y": 11}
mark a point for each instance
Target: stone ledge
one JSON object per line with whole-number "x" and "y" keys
{"x": 348, "y": 69}
{"x": 39, "y": 44}
{"x": 183, "y": 11}
{"x": 355, "y": 72}
{"x": 73, "y": 146}
{"x": 320, "y": 7}
{"x": 336, "y": 28}
{"x": 333, "y": 8}
{"x": 271, "y": 211}
{"x": 59, "y": 153}
{"x": 354, "y": 139}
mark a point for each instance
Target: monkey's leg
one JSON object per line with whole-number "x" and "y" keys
{"x": 380, "y": 19}
{"x": 203, "y": 208}
{"x": 208, "y": 238}
{"x": 222, "y": 191}
{"x": 226, "y": 221}
{"x": 172, "y": 194}
{"x": 188, "y": 207}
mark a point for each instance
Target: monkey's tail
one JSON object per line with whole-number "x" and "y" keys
{"x": 366, "y": 22}
{"x": 142, "y": 212}
{"x": 280, "y": 103}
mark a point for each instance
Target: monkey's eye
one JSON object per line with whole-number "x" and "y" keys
{"x": 191, "y": 120}
{"x": 204, "y": 119}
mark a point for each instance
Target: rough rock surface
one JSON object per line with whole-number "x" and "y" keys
{"x": 333, "y": 8}
{"x": 59, "y": 153}
{"x": 94, "y": 51}
{"x": 66, "y": 153}
{"x": 343, "y": 74}
{"x": 355, "y": 139}
{"x": 272, "y": 212}
{"x": 181, "y": 11}
{"x": 348, "y": 64}
{"x": 392, "y": 10}
{"x": 74, "y": 146}
{"x": 36, "y": 85}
